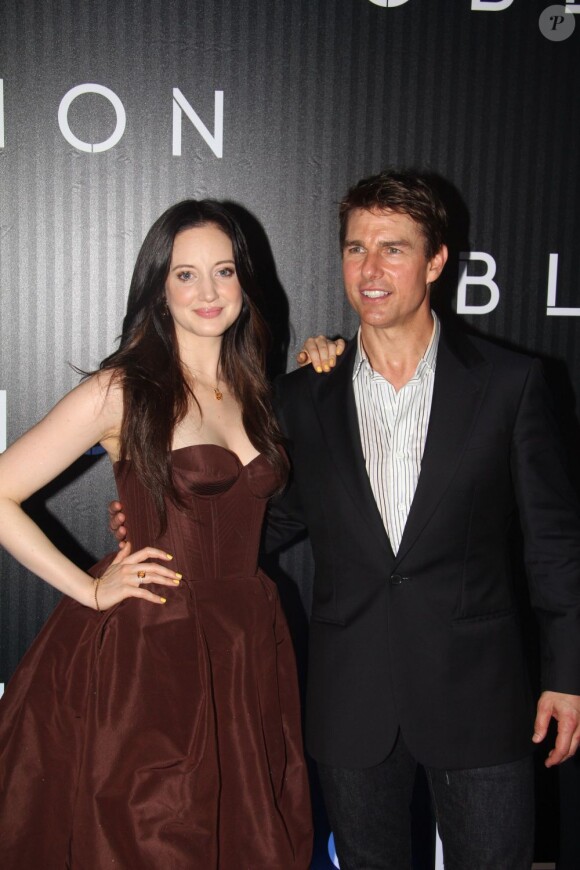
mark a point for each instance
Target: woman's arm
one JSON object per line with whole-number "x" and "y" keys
{"x": 89, "y": 414}
{"x": 320, "y": 352}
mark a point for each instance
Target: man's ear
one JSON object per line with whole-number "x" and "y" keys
{"x": 436, "y": 264}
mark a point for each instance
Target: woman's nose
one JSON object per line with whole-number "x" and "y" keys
{"x": 207, "y": 290}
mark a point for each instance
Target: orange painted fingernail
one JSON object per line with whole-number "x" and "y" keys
{"x": 169, "y": 556}
{"x": 163, "y": 600}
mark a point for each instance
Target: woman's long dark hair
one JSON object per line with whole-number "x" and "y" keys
{"x": 156, "y": 393}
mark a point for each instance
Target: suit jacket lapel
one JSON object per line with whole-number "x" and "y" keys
{"x": 460, "y": 380}
{"x": 335, "y": 404}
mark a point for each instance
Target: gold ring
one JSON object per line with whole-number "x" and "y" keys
{"x": 140, "y": 574}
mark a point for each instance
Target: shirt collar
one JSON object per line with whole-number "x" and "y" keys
{"x": 427, "y": 361}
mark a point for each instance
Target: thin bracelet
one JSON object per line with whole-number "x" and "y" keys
{"x": 96, "y": 582}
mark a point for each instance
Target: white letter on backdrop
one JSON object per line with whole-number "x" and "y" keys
{"x": 215, "y": 142}
{"x": 66, "y": 131}
{"x": 477, "y": 280}
{"x": 490, "y": 5}
{"x": 1, "y": 113}
{"x": 552, "y": 287}
{"x": 2, "y": 421}
{"x": 389, "y": 3}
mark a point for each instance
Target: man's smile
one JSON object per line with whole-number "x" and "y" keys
{"x": 375, "y": 294}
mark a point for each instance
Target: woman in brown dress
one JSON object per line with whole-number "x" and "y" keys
{"x": 155, "y": 722}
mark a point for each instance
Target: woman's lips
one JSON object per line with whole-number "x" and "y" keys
{"x": 208, "y": 312}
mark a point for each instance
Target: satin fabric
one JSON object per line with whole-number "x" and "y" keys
{"x": 164, "y": 736}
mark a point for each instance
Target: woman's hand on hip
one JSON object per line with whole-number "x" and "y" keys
{"x": 129, "y": 573}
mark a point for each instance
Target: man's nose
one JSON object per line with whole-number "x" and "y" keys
{"x": 372, "y": 266}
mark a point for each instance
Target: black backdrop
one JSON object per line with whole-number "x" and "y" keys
{"x": 291, "y": 101}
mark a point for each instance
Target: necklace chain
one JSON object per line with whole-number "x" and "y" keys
{"x": 216, "y": 390}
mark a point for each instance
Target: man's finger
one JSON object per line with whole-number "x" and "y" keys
{"x": 120, "y": 534}
{"x": 561, "y": 749}
{"x": 116, "y": 521}
{"x": 541, "y": 724}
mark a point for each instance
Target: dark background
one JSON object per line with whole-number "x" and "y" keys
{"x": 317, "y": 93}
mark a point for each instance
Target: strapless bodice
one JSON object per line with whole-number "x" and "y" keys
{"x": 209, "y": 469}
{"x": 216, "y": 532}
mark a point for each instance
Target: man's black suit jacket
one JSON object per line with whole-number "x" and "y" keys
{"x": 429, "y": 639}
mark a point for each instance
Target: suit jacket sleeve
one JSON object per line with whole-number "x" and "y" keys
{"x": 550, "y": 518}
{"x": 285, "y": 522}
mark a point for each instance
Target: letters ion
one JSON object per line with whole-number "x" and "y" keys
{"x": 180, "y": 106}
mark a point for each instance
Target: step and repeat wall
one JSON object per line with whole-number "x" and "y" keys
{"x": 111, "y": 110}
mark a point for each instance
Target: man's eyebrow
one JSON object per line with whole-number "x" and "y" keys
{"x": 396, "y": 243}
{"x": 387, "y": 243}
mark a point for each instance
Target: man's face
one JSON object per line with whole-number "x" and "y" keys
{"x": 386, "y": 271}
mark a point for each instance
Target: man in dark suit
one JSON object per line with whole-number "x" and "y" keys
{"x": 414, "y": 463}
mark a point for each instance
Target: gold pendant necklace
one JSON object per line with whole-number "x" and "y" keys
{"x": 216, "y": 390}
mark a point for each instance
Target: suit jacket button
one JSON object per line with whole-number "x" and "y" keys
{"x": 396, "y": 579}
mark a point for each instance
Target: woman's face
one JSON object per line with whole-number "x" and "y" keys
{"x": 202, "y": 289}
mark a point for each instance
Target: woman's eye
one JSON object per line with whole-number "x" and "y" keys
{"x": 227, "y": 272}
{"x": 184, "y": 276}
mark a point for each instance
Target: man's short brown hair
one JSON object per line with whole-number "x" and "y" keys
{"x": 403, "y": 191}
